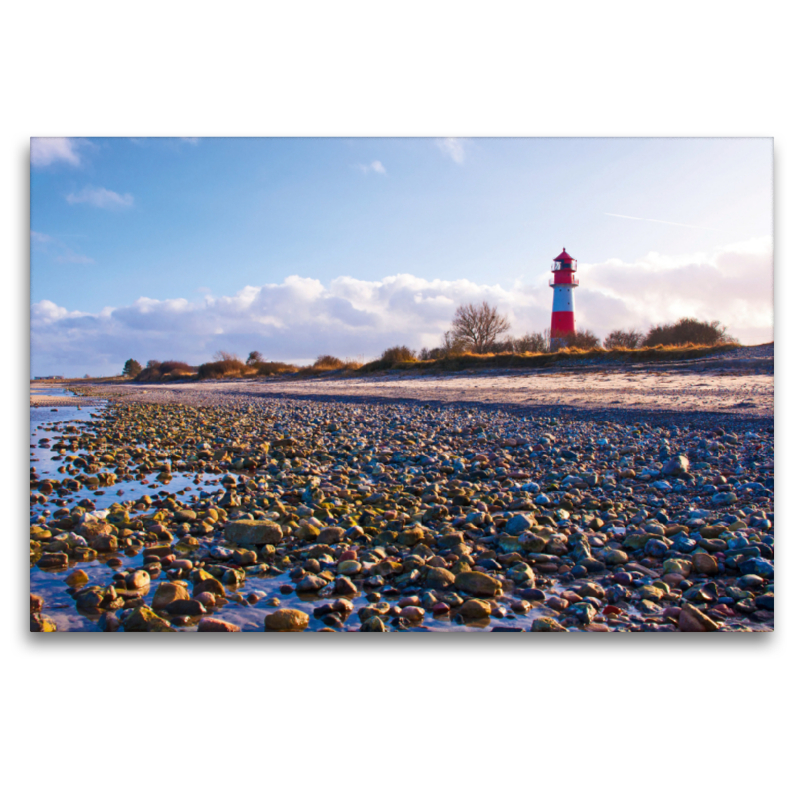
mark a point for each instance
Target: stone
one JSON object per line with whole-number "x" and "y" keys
{"x": 547, "y": 625}
{"x": 439, "y": 578}
{"x": 209, "y": 585}
{"x": 139, "y": 579}
{"x": 331, "y": 535}
{"x": 42, "y": 624}
{"x": 185, "y": 608}
{"x": 214, "y": 625}
{"x": 517, "y": 524}
{"x": 249, "y": 531}
{"x": 167, "y": 593}
{"x": 286, "y": 620}
{"x": 413, "y": 614}
{"x": 144, "y": 620}
{"x": 373, "y": 625}
{"x": 104, "y": 542}
{"x": 311, "y": 584}
{"x": 704, "y": 564}
{"x": 53, "y": 561}
{"x": 677, "y": 465}
{"x": 76, "y": 578}
{"x": 343, "y": 585}
{"x": 478, "y": 584}
{"x": 692, "y": 620}
{"x": 37, "y": 603}
{"x": 475, "y": 609}
{"x": 678, "y": 565}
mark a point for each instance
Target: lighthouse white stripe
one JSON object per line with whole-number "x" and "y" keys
{"x": 562, "y": 298}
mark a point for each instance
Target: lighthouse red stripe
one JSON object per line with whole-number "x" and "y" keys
{"x": 562, "y": 323}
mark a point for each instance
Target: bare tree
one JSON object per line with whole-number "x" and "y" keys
{"x": 224, "y": 355}
{"x": 478, "y": 326}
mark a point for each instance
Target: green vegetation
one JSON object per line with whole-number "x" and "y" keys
{"x": 132, "y": 368}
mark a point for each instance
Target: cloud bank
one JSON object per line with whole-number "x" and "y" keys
{"x": 301, "y": 318}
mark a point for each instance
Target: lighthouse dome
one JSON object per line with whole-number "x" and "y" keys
{"x": 565, "y": 256}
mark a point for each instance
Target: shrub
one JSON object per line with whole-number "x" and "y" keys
{"x": 582, "y": 339}
{"x": 273, "y": 368}
{"x": 630, "y": 339}
{"x": 328, "y": 362}
{"x": 174, "y": 367}
{"x": 395, "y": 355}
{"x": 225, "y": 368}
{"x": 687, "y": 331}
{"x": 254, "y": 358}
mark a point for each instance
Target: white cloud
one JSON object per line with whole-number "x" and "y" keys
{"x": 49, "y": 150}
{"x": 452, "y": 148}
{"x": 101, "y": 198}
{"x": 301, "y": 318}
{"x": 375, "y": 166}
{"x": 732, "y": 284}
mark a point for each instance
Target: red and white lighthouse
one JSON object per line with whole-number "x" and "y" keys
{"x": 563, "y": 281}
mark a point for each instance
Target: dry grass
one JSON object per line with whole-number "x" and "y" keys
{"x": 538, "y": 360}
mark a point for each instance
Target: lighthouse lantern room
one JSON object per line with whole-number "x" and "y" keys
{"x": 562, "y": 281}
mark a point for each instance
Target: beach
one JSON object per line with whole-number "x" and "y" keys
{"x": 596, "y": 499}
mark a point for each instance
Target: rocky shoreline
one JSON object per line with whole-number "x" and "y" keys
{"x": 392, "y": 516}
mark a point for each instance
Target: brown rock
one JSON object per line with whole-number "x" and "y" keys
{"x": 547, "y": 625}
{"x": 693, "y": 620}
{"x": 167, "y": 593}
{"x": 139, "y": 579}
{"x": 206, "y": 598}
{"x": 213, "y": 625}
{"x": 413, "y": 614}
{"x": 98, "y": 528}
{"x": 37, "y": 603}
{"x": 144, "y": 620}
{"x": 345, "y": 586}
{"x": 209, "y": 585}
{"x": 478, "y": 584}
{"x": 53, "y": 561}
{"x": 439, "y": 578}
{"x": 185, "y": 608}
{"x": 331, "y": 535}
{"x": 76, "y": 578}
{"x": 475, "y": 609}
{"x": 286, "y": 620}
{"x": 253, "y": 531}
{"x": 705, "y": 564}
{"x": 104, "y": 542}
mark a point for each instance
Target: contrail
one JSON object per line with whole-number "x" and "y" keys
{"x": 662, "y": 221}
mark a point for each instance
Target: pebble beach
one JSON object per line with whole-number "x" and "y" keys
{"x": 599, "y": 499}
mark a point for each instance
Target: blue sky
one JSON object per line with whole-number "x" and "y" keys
{"x": 178, "y": 248}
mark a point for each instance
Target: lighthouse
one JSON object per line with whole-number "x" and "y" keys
{"x": 562, "y": 281}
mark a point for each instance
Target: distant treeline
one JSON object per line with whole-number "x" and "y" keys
{"x": 477, "y": 330}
